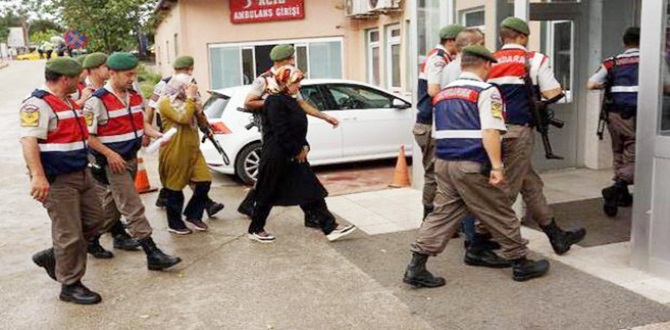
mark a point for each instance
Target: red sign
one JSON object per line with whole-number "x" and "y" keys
{"x": 251, "y": 11}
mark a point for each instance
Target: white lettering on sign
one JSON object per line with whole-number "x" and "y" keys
{"x": 251, "y": 14}
{"x": 271, "y": 2}
{"x": 288, "y": 11}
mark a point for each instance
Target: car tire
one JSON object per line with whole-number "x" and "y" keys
{"x": 247, "y": 162}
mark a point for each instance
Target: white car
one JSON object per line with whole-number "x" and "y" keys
{"x": 373, "y": 125}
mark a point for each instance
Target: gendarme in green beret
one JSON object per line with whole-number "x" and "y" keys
{"x": 451, "y": 31}
{"x": 281, "y": 52}
{"x": 516, "y": 24}
{"x": 479, "y": 51}
{"x": 81, "y": 59}
{"x": 65, "y": 66}
{"x": 122, "y": 61}
{"x": 183, "y": 62}
{"x": 94, "y": 60}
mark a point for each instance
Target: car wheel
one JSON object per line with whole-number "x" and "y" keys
{"x": 247, "y": 162}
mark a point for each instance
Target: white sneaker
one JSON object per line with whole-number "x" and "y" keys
{"x": 262, "y": 237}
{"x": 339, "y": 233}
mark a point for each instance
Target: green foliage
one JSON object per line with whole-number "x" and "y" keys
{"x": 110, "y": 25}
{"x": 37, "y": 38}
{"x": 147, "y": 80}
{"x": 10, "y": 18}
{"x": 44, "y": 25}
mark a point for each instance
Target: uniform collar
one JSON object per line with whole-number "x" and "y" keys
{"x": 632, "y": 50}
{"x": 440, "y": 47}
{"x": 470, "y": 76}
{"x": 514, "y": 46}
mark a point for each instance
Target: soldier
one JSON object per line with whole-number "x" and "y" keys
{"x": 116, "y": 122}
{"x": 469, "y": 122}
{"x": 54, "y": 140}
{"x": 281, "y": 55}
{"x": 514, "y": 63}
{"x": 95, "y": 65}
{"x": 619, "y": 75}
{"x": 429, "y": 85}
{"x": 182, "y": 64}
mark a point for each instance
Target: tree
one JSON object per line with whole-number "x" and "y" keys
{"x": 42, "y": 25}
{"x": 37, "y": 38}
{"x": 109, "y": 25}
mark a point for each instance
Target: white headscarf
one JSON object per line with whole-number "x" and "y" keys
{"x": 175, "y": 88}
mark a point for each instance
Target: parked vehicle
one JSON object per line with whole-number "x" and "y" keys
{"x": 373, "y": 125}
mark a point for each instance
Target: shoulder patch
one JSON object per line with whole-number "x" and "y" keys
{"x": 497, "y": 106}
{"x": 30, "y": 115}
{"x": 101, "y": 92}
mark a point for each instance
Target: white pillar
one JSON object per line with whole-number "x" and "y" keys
{"x": 448, "y": 8}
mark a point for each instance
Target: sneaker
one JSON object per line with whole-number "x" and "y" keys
{"x": 198, "y": 224}
{"x": 340, "y": 233}
{"x": 179, "y": 231}
{"x": 262, "y": 237}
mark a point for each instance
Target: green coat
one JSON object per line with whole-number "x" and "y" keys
{"x": 181, "y": 162}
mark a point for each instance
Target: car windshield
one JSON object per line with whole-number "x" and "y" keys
{"x": 215, "y": 105}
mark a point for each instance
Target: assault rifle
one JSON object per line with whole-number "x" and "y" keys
{"x": 208, "y": 134}
{"x": 607, "y": 102}
{"x": 543, "y": 117}
{"x": 254, "y": 121}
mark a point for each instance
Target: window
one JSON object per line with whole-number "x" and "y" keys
{"x": 176, "y": 45}
{"x": 239, "y": 64}
{"x": 313, "y": 95}
{"x": 665, "y": 75}
{"x": 215, "y": 106}
{"x": 373, "y": 62}
{"x": 248, "y": 65}
{"x": 393, "y": 39}
{"x": 348, "y": 97}
{"x": 559, "y": 44}
{"x": 474, "y": 18}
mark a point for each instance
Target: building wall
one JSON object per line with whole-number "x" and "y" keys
{"x": 206, "y": 22}
{"x": 164, "y": 39}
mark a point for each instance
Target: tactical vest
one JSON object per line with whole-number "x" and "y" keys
{"x": 65, "y": 149}
{"x": 125, "y": 127}
{"x": 424, "y": 106}
{"x": 623, "y": 78}
{"x": 458, "y": 132}
{"x": 508, "y": 75}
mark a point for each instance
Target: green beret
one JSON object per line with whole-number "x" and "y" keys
{"x": 65, "y": 66}
{"x": 479, "y": 51}
{"x": 281, "y": 52}
{"x": 451, "y": 31}
{"x": 94, "y": 60}
{"x": 516, "y": 24}
{"x": 183, "y": 62}
{"x": 122, "y": 61}
{"x": 81, "y": 59}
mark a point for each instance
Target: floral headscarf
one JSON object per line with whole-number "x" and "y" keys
{"x": 174, "y": 88}
{"x": 285, "y": 76}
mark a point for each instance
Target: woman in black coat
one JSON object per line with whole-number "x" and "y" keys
{"x": 284, "y": 176}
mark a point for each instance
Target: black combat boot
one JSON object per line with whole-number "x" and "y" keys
{"x": 525, "y": 269}
{"x": 156, "y": 259}
{"x": 122, "y": 240}
{"x": 614, "y": 196}
{"x": 212, "y": 207}
{"x": 484, "y": 258}
{"x": 562, "y": 240}
{"x": 247, "y": 205}
{"x": 46, "y": 260}
{"x": 97, "y": 251}
{"x": 481, "y": 241}
{"x": 417, "y": 275}
{"x": 79, "y": 294}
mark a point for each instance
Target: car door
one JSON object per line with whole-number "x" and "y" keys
{"x": 325, "y": 141}
{"x": 374, "y": 123}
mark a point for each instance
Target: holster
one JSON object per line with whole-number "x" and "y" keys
{"x": 98, "y": 170}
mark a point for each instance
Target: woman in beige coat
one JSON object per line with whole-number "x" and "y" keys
{"x": 181, "y": 162}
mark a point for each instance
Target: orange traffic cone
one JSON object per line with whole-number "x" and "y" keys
{"x": 401, "y": 175}
{"x": 142, "y": 179}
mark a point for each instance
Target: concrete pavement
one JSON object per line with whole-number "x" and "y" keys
{"x": 299, "y": 282}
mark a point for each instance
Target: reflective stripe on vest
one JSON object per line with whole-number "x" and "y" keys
{"x": 125, "y": 127}
{"x": 65, "y": 148}
{"x": 458, "y": 132}
{"x": 508, "y": 75}
{"x": 624, "y": 78}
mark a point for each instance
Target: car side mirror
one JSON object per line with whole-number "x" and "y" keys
{"x": 400, "y": 104}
